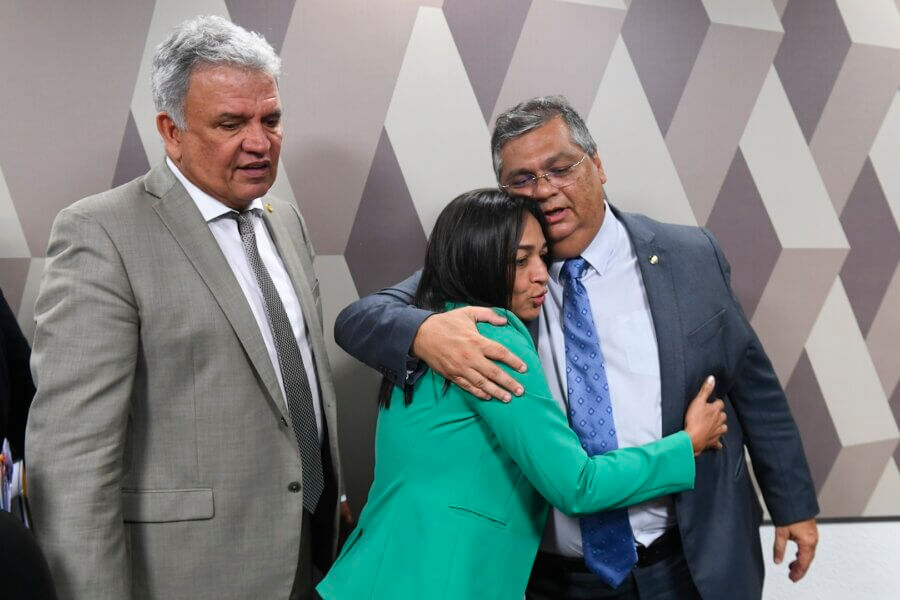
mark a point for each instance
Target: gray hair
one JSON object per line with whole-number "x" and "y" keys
{"x": 531, "y": 114}
{"x": 204, "y": 40}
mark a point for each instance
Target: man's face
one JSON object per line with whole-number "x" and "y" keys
{"x": 574, "y": 212}
{"x": 232, "y": 141}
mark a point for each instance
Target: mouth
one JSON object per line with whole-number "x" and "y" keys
{"x": 539, "y": 299}
{"x": 555, "y": 215}
{"x": 256, "y": 169}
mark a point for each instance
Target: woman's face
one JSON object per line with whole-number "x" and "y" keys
{"x": 530, "y": 286}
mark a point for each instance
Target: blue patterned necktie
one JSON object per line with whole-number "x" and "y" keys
{"x": 606, "y": 537}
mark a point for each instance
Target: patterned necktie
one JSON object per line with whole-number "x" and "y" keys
{"x": 293, "y": 373}
{"x": 606, "y": 537}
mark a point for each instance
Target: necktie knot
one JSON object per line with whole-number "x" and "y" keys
{"x": 574, "y": 268}
{"x": 244, "y": 221}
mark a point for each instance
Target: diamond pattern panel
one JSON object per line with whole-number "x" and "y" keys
{"x": 268, "y": 17}
{"x": 742, "y": 227}
{"x": 820, "y": 438}
{"x": 586, "y": 36}
{"x": 874, "y": 247}
{"x": 775, "y": 123}
{"x": 386, "y": 225}
{"x": 810, "y": 57}
{"x": 663, "y": 39}
{"x": 473, "y": 22}
{"x": 132, "y": 161}
{"x": 715, "y": 106}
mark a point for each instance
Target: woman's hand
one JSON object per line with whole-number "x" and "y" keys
{"x": 704, "y": 421}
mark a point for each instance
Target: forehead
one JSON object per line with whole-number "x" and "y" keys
{"x": 538, "y": 145}
{"x": 212, "y": 87}
{"x": 531, "y": 232}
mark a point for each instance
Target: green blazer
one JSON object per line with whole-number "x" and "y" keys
{"x": 457, "y": 508}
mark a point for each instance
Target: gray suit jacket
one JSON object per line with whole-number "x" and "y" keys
{"x": 700, "y": 330}
{"x": 160, "y": 450}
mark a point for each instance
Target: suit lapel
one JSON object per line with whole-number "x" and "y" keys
{"x": 659, "y": 284}
{"x": 296, "y": 266}
{"x": 181, "y": 216}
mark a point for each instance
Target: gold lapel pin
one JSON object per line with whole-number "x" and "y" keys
{"x": 654, "y": 259}
{"x": 268, "y": 207}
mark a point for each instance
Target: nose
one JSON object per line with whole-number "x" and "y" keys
{"x": 255, "y": 140}
{"x": 540, "y": 274}
{"x": 543, "y": 189}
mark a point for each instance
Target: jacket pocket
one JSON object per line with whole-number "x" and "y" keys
{"x": 707, "y": 328}
{"x": 165, "y": 506}
{"x": 478, "y": 515}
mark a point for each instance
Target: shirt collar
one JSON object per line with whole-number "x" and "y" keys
{"x": 601, "y": 250}
{"x": 209, "y": 207}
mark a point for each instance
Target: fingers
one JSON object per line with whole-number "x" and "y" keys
{"x": 451, "y": 345}
{"x": 781, "y": 538}
{"x": 706, "y": 389}
{"x": 481, "y": 387}
{"x": 499, "y": 352}
{"x": 484, "y": 314}
{"x": 806, "y": 535}
{"x": 800, "y": 566}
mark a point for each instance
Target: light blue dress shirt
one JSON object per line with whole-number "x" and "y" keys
{"x": 628, "y": 341}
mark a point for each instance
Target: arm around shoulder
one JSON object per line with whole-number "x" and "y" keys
{"x": 379, "y": 329}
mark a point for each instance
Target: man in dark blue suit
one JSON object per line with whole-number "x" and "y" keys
{"x": 666, "y": 317}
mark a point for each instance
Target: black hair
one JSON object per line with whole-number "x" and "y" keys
{"x": 471, "y": 256}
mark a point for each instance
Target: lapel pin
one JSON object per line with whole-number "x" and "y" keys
{"x": 268, "y": 207}
{"x": 654, "y": 259}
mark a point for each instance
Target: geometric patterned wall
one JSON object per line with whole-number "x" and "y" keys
{"x": 775, "y": 123}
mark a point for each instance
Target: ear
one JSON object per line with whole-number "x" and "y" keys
{"x": 170, "y": 134}
{"x": 596, "y": 160}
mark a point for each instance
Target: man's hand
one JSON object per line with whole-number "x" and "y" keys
{"x": 806, "y": 535}
{"x": 451, "y": 345}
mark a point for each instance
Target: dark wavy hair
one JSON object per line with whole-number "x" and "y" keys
{"x": 471, "y": 256}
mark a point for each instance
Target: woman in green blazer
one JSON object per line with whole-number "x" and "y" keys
{"x": 461, "y": 489}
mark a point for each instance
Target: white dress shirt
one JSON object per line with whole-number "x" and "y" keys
{"x": 628, "y": 342}
{"x": 225, "y": 230}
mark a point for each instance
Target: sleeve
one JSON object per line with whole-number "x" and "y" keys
{"x": 85, "y": 354}
{"x": 21, "y": 386}
{"x": 770, "y": 432}
{"x": 379, "y": 329}
{"x": 534, "y": 431}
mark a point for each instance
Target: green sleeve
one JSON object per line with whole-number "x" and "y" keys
{"x": 535, "y": 432}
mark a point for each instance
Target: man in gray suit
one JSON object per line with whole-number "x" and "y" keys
{"x": 183, "y": 440}
{"x": 665, "y": 317}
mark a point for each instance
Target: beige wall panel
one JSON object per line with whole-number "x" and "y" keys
{"x": 786, "y": 175}
{"x": 434, "y": 122}
{"x": 642, "y": 177}
{"x": 853, "y": 478}
{"x": 787, "y": 311}
{"x": 846, "y": 374}
{"x": 860, "y": 98}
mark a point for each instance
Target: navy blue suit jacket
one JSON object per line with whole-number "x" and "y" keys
{"x": 700, "y": 330}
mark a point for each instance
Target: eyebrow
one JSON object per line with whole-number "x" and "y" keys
{"x": 242, "y": 117}
{"x": 544, "y": 246}
{"x": 544, "y": 165}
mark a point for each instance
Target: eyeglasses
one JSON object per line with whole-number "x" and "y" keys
{"x": 558, "y": 177}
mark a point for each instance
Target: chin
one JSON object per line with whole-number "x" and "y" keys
{"x": 528, "y": 314}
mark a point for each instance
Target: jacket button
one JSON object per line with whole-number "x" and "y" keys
{"x": 294, "y": 486}
{"x": 283, "y": 422}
